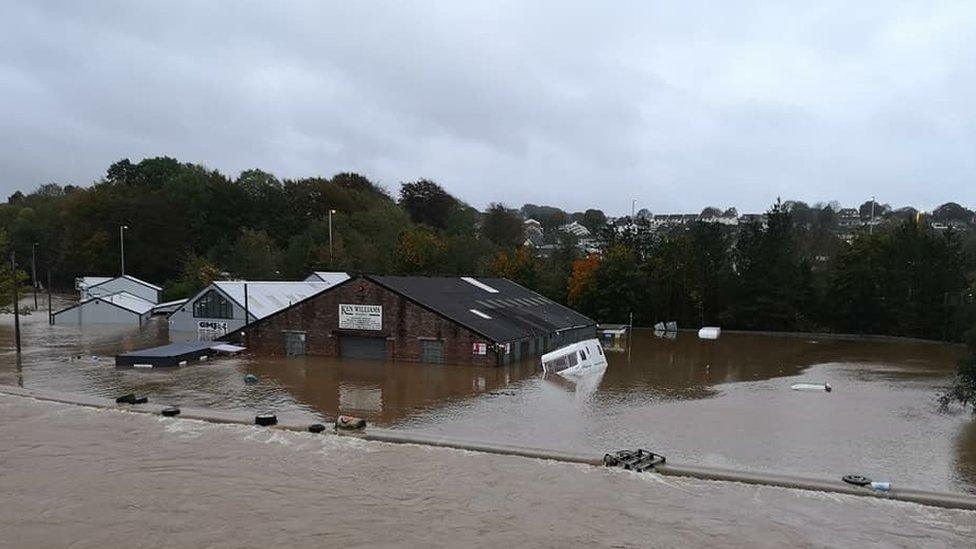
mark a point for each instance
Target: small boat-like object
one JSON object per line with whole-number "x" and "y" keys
{"x": 816, "y": 387}
{"x": 576, "y": 359}
{"x": 709, "y": 332}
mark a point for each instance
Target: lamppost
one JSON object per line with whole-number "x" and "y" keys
{"x": 34, "y": 272}
{"x": 331, "y": 260}
{"x": 873, "y": 202}
{"x": 122, "y": 246}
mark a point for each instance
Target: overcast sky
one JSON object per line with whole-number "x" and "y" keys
{"x": 679, "y": 105}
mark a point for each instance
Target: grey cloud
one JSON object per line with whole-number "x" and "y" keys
{"x": 677, "y": 105}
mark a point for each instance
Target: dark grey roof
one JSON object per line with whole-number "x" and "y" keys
{"x": 515, "y": 312}
{"x": 167, "y": 355}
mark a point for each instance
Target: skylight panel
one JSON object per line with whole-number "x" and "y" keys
{"x": 478, "y": 284}
{"x": 476, "y": 312}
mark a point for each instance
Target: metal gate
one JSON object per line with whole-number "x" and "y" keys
{"x": 294, "y": 343}
{"x": 370, "y": 348}
{"x": 432, "y": 350}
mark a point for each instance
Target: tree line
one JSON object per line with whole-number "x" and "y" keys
{"x": 188, "y": 225}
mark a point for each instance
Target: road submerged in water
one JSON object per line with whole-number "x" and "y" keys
{"x": 93, "y": 478}
{"x": 113, "y": 478}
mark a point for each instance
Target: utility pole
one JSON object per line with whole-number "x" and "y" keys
{"x": 247, "y": 315}
{"x": 50, "y": 309}
{"x": 331, "y": 259}
{"x": 13, "y": 280}
{"x": 122, "y": 246}
{"x": 34, "y": 272}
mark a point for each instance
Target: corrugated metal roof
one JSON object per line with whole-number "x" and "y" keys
{"x": 332, "y": 277}
{"x": 103, "y": 280}
{"x": 129, "y": 302}
{"x": 169, "y": 306}
{"x": 518, "y": 312}
{"x": 267, "y": 297}
{"x": 89, "y": 281}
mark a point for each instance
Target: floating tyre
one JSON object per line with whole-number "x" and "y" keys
{"x": 266, "y": 419}
{"x": 251, "y": 378}
{"x": 139, "y": 400}
{"x": 126, "y": 399}
{"x": 350, "y": 423}
{"x": 170, "y": 411}
{"x": 856, "y": 480}
{"x": 316, "y": 428}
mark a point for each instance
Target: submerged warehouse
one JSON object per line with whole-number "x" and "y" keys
{"x": 456, "y": 320}
{"x": 226, "y": 306}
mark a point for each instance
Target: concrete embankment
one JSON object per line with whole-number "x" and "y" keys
{"x": 937, "y": 499}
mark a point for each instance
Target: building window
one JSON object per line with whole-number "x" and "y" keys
{"x": 432, "y": 351}
{"x": 213, "y": 305}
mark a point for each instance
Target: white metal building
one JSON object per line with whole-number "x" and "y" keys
{"x": 220, "y": 307}
{"x": 94, "y": 286}
{"x": 332, "y": 277}
{"x": 117, "y": 308}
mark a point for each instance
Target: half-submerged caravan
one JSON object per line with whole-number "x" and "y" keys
{"x": 575, "y": 359}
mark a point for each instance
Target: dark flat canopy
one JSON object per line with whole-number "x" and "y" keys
{"x": 167, "y": 355}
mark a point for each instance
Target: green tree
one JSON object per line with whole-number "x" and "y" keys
{"x": 198, "y": 272}
{"x": 503, "y": 227}
{"x": 773, "y": 282}
{"x": 253, "y": 257}
{"x": 427, "y": 203}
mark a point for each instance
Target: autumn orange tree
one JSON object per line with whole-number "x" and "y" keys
{"x": 518, "y": 265}
{"x": 582, "y": 281}
{"x": 419, "y": 250}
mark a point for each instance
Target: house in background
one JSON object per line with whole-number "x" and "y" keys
{"x": 575, "y": 228}
{"x": 226, "y": 306}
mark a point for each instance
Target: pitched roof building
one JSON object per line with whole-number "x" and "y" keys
{"x": 117, "y": 308}
{"x": 460, "y": 320}
{"x": 225, "y": 306}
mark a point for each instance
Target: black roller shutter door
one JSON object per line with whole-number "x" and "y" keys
{"x": 369, "y": 348}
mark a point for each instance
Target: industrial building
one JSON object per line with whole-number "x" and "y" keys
{"x": 117, "y": 308}
{"x": 331, "y": 277}
{"x": 456, "y": 320}
{"x": 97, "y": 286}
{"x": 226, "y": 306}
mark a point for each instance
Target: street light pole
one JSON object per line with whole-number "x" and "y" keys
{"x": 873, "y": 202}
{"x": 34, "y": 272}
{"x": 331, "y": 259}
{"x": 122, "y": 246}
{"x": 13, "y": 285}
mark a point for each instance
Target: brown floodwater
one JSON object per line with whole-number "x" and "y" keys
{"x": 81, "y": 477}
{"x": 723, "y": 403}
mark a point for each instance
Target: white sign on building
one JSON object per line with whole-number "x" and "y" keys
{"x": 360, "y": 317}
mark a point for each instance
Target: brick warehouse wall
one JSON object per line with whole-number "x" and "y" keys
{"x": 404, "y": 323}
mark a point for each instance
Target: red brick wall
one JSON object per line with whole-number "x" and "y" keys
{"x": 404, "y": 323}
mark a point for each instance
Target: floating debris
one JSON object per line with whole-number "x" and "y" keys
{"x": 825, "y": 387}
